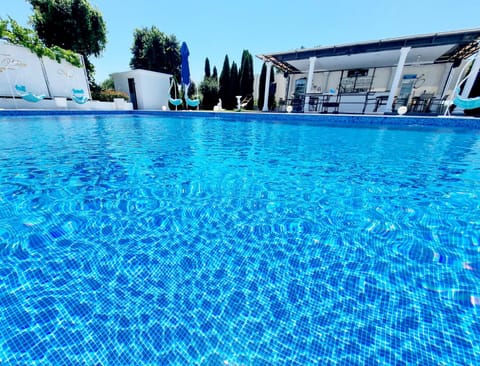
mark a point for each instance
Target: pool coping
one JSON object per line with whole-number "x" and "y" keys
{"x": 454, "y": 121}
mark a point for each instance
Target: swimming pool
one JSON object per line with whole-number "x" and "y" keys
{"x": 238, "y": 239}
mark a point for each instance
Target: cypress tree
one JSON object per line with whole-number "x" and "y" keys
{"x": 247, "y": 78}
{"x": 215, "y": 73}
{"x": 224, "y": 84}
{"x": 271, "y": 91}
{"x": 234, "y": 86}
{"x": 261, "y": 86}
{"x": 207, "y": 68}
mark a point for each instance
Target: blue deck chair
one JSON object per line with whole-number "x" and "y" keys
{"x": 194, "y": 103}
{"x": 79, "y": 97}
{"x": 28, "y": 96}
{"x": 465, "y": 103}
{"x": 175, "y": 102}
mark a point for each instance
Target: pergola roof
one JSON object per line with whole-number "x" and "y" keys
{"x": 426, "y": 49}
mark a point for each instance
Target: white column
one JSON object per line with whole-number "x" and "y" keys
{"x": 308, "y": 88}
{"x": 396, "y": 79}
{"x": 267, "y": 86}
{"x": 471, "y": 76}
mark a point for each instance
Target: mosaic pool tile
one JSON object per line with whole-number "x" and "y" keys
{"x": 238, "y": 240}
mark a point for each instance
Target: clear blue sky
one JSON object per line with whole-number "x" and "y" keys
{"x": 217, "y": 28}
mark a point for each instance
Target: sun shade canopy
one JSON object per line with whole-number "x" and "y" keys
{"x": 430, "y": 48}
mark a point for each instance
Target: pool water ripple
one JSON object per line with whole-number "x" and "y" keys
{"x": 155, "y": 240}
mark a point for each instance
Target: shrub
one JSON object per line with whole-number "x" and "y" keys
{"x": 109, "y": 95}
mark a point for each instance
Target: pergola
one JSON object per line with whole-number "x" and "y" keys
{"x": 448, "y": 47}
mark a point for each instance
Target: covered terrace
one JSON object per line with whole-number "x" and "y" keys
{"x": 418, "y": 72}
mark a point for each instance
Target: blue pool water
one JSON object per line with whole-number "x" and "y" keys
{"x": 237, "y": 241}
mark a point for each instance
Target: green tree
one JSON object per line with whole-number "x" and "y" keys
{"x": 272, "y": 91}
{"x": 155, "y": 51}
{"x": 261, "y": 86}
{"x": 28, "y": 38}
{"x": 247, "y": 78}
{"x": 234, "y": 89}
{"x": 70, "y": 24}
{"x": 215, "y": 73}
{"x": 108, "y": 84}
{"x": 207, "y": 68}
{"x": 192, "y": 90}
{"x": 209, "y": 90}
{"x": 224, "y": 85}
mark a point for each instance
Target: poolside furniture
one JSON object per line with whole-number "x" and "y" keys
{"x": 422, "y": 103}
{"x": 313, "y": 101}
{"x": 458, "y": 100}
{"x": 194, "y": 103}
{"x": 242, "y": 103}
{"x": 298, "y": 103}
{"x": 380, "y": 101}
{"x": 245, "y": 101}
{"x": 26, "y": 95}
{"x": 330, "y": 100}
{"x": 79, "y": 97}
{"x": 175, "y": 102}
{"x": 465, "y": 103}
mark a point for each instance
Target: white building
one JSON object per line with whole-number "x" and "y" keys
{"x": 418, "y": 72}
{"x": 147, "y": 89}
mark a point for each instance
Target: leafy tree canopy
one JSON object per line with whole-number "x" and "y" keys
{"x": 247, "y": 78}
{"x": 234, "y": 87}
{"x": 224, "y": 84}
{"x": 28, "y": 38}
{"x": 108, "y": 84}
{"x": 71, "y": 24}
{"x": 209, "y": 90}
{"x": 207, "y": 68}
{"x": 154, "y": 50}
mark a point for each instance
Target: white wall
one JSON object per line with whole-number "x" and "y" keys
{"x": 63, "y": 77}
{"x": 40, "y": 76}
{"x": 333, "y": 80}
{"x": 19, "y": 66}
{"x": 432, "y": 74}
